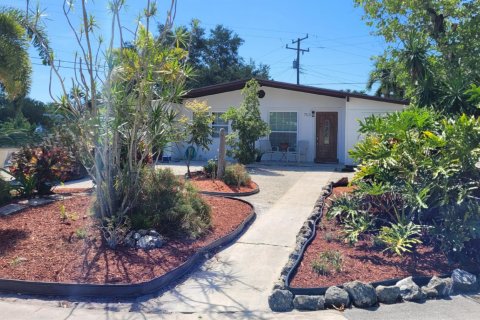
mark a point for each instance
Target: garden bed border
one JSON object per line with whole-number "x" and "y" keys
{"x": 128, "y": 290}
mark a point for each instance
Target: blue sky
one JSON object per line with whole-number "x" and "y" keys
{"x": 341, "y": 45}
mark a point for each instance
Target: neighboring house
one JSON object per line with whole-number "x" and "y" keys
{"x": 326, "y": 121}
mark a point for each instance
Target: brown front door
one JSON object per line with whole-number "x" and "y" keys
{"x": 327, "y": 127}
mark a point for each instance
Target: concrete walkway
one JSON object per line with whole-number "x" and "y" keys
{"x": 236, "y": 282}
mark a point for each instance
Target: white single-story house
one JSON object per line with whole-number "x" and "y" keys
{"x": 323, "y": 121}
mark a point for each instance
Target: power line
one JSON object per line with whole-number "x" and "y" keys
{"x": 296, "y": 63}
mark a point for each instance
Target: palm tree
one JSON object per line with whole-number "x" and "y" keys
{"x": 384, "y": 75}
{"x": 17, "y": 31}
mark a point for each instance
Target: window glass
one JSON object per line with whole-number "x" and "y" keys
{"x": 326, "y": 132}
{"x": 283, "y": 126}
{"x": 218, "y": 123}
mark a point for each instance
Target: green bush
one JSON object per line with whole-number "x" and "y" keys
{"x": 236, "y": 175}
{"x": 38, "y": 169}
{"x": 210, "y": 169}
{"x": 423, "y": 163}
{"x": 170, "y": 206}
{"x": 5, "y": 195}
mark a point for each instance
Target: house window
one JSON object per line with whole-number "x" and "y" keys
{"x": 218, "y": 123}
{"x": 283, "y": 126}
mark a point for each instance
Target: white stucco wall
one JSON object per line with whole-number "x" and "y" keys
{"x": 358, "y": 109}
{"x": 280, "y": 100}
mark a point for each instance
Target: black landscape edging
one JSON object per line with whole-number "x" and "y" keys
{"x": 126, "y": 290}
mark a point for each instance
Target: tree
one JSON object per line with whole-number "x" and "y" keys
{"x": 123, "y": 109}
{"x": 215, "y": 57}
{"x": 432, "y": 50}
{"x": 198, "y": 129}
{"x": 18, "y": 30}
{"x": 247, "y": 125}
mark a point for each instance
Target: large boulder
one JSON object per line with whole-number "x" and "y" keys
{"x": 281, "y": 300}
{"x": 312, "y": 303}
{"x": 361, "y": 294}
{"x": 337, "y": 297}
{"x": 150, "y": 242}
{"x": 409, "y": 290}
{"x": 441, "y": 286}
{"x": 389, "y": 295}
{"x": 464, "y": 281}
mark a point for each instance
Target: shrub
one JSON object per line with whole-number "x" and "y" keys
{"x": 424, "y": 163}
{"x": 328, "y": 261}
{"x": 400, "y": 238}
{"x": 5, "y": 195}
{"x": 210, "y": 169}
{"x": 38, "y": 169}
{"x": 170, "y": 206}
{"x": 236, "y": 175}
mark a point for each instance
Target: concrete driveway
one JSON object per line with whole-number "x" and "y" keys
{"x": 234, "y": 283}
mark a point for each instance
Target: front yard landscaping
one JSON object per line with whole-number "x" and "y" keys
{"x": 329, "y": 260}
{"x": 61, "y": 242}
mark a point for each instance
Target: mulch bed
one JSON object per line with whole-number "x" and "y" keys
{"x": 203, "y": 183}
{"x": 362, "y": 261}
{"x": 36, "y": 245}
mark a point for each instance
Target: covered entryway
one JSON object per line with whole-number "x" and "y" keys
{"x": 326, "y": 137}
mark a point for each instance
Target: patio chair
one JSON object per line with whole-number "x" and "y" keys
{"x": 300, "y": 150}
{"x": 266, "y": 148}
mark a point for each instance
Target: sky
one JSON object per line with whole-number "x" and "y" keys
{"x": 341, "y": 44}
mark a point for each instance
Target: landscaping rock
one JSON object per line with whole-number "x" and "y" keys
{"x": 443, "y": 287}
{"x": 335, "y": 296}
{"x": 361, "y": 294}
{"x": 136, "y": 236}
{"x": 388, "y": 295}
{"x": 281, "y": 300}
{"x": 430, "y": 293}
{"x": 464, "y": 281}
{"x": 142, "y": 232}
{"x": 129, "y": 240}
{"x": 149, "y": 242}
{"x": 312, "y": 303}
{"x": 409, "y": 290}
{"x": 153, "y": 233}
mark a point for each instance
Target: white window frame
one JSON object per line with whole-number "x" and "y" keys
{"x": 283, "y": 131}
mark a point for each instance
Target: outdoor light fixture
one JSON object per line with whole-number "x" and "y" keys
{"x": 313, "y": 114}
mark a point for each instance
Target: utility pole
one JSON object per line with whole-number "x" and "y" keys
{"x": 296, "y": 63}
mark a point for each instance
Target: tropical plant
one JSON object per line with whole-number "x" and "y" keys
{"x": 344, "y": 207}
{"x": 355, "y": 227}
{"x": 123, "y": 109}
{"x": 431, "y": 52}
{"x": 400, "y": 238}
{"x": 38, "y": 169}
{"x": 210, "y": 169}
{"x": 247, "y": 125}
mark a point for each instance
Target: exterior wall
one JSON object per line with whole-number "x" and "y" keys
{"x": 357, "y": 110}
{"x": 280, "y": 100}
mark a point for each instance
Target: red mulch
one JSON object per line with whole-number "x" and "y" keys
{"x": 362, "y": 261}
{"x": 36, "y": 245}
{"x": 204, "y": 183}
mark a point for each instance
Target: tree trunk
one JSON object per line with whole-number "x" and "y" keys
{"x": 221, "y": 155}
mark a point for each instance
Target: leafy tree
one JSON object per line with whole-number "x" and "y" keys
{"x": 18, "y": 30}
{"x": 432, "y": 57}
{"x": 247, "y": 125}
{"x": 198, "y": 129}
{"x": 215, "y": 57}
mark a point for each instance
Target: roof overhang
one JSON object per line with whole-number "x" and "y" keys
{"x": 240, "y": 84}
